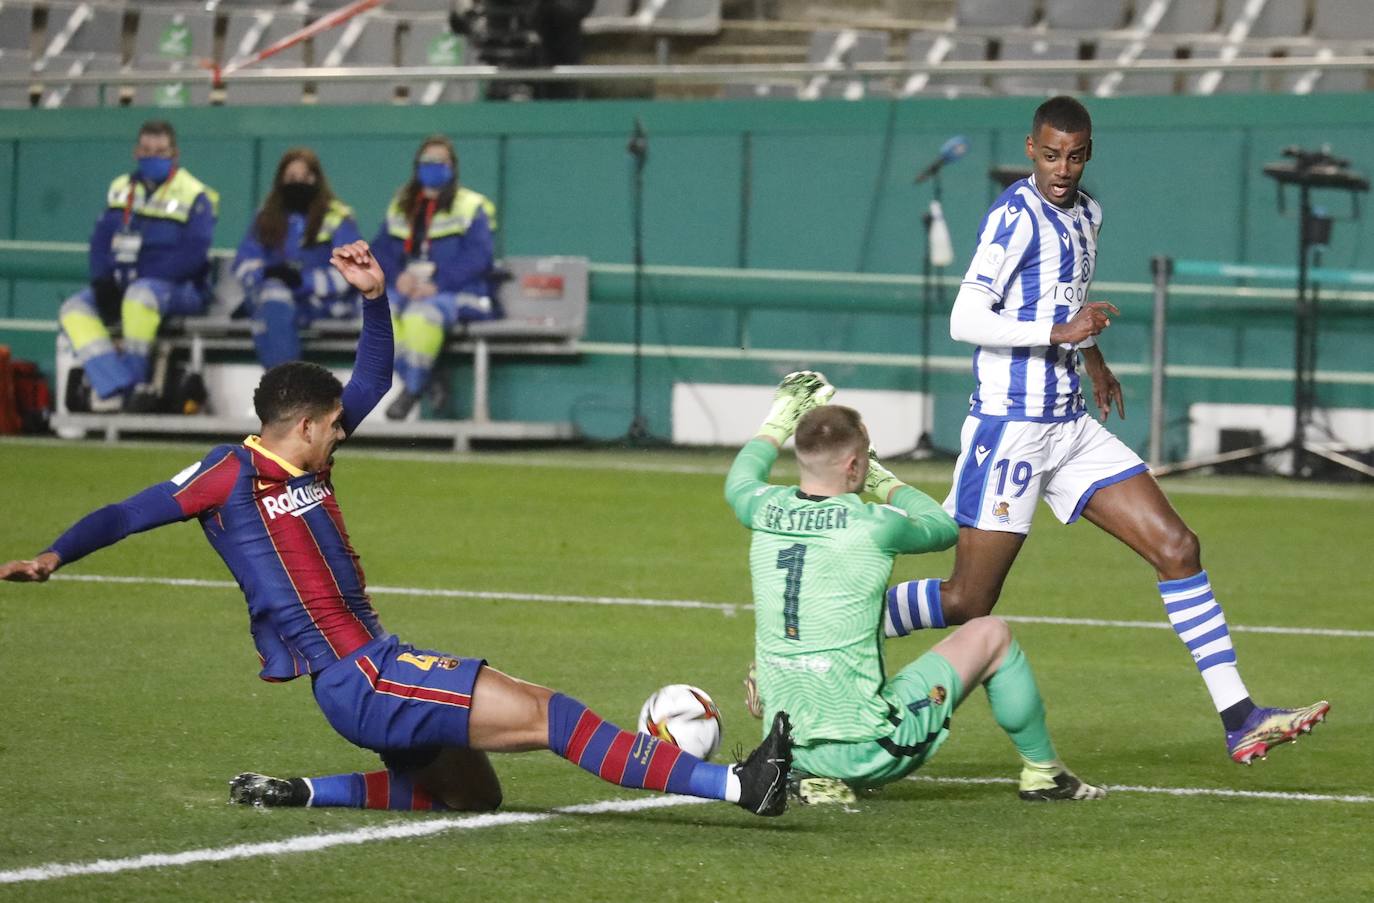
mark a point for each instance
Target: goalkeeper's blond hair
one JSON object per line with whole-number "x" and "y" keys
{"x": 830, "y": 431}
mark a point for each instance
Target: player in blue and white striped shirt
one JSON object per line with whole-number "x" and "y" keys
{"x": 1023, "y": 304}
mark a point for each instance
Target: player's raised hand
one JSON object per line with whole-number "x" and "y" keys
{"x": 360, "y": 268}
{"x": 798, "y": 393}
{"x": 35, "y": 570}
{"x": 880, "y": 481}
{"x": 1092, "y": 318}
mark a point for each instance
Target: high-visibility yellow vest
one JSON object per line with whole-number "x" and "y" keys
{"x": 333, "y": 218}
{"x": 172, "y": 200}
{"x": 453, "y": 221}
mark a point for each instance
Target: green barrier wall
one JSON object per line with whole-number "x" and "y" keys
{"x": 782, "y": 185}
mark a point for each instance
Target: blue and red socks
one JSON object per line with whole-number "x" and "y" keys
{"x": 371, "y": 790}
{"x": 632, "y": 760}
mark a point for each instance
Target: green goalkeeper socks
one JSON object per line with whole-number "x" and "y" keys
{"x": 1019, "y": 710}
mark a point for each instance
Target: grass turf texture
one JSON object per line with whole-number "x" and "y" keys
{"x": 128, "y": 707}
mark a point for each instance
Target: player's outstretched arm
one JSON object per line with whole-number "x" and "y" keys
{"x": 376, "y": 349}
{"x": 1106, "y": 387}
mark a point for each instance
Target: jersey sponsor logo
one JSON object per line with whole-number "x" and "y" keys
{"x": 816, "y": 664}
{"x": 184, "y": 475}
{"x": 980, "y": 454}
{"x": 296, "y": 500}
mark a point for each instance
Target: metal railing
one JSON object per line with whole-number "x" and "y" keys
{"x": 689, "y": 74}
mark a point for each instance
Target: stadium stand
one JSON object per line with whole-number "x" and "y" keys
{"x": 1084, "y": 15}
{"x": 78, "y": 63}
{"x": 938, "y": 47}
{"x": 16, "y": 26}
{"x": 1037, "y": 49}
{"x": 14, "y": 62}
{"x": 174, "y": 34}
{"x": 186, "y": 84}
{"x": 842, "y": 49}
{"x": 429, "y": 42}
{"x": 1125, "y": 81}
{"x": 1175, "y": 16}
{"x": 84, "y": 28}
{"x": 368, "y": 40}
{"x": 250, "y": 31}
{"x": 995, "y": 13}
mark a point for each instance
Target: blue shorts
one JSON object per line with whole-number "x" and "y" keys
{"x": 402, "y": 702}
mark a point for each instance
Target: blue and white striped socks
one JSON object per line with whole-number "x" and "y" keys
{"x": 1196, "y": 617}
{"x": 913, "y": 605}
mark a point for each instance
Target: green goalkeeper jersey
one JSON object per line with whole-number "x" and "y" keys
{"x": 820, "y": 570}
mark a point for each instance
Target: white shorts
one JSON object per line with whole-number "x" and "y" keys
{"x": 1005, "y": 466}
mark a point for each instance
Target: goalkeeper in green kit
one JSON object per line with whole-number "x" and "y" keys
{"x": 821, "y": 559}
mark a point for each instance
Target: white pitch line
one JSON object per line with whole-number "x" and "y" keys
{"x": 309, "y": 843}
{"x": 725, "y": 608}
{"x": 1183, "y": 791}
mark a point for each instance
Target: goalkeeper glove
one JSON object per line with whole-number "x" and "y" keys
{"x": 880, "y": 481}
{"x": 798, "y": 393}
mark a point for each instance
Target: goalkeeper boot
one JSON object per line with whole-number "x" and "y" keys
{"x": 763, "y": 775}
{"x": 1266, "y": 728}
{"x": 252, "y": 789}
{"x": 1039, "y": 787}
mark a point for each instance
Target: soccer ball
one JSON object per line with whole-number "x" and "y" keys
{"x": 684, "y": 716}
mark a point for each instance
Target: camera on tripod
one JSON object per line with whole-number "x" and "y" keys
{"x": 503, "y": 32}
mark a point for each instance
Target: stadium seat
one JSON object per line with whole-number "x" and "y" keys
{"x": 1179, "y": 17}
{"x": 252, "y": 30}
{"x": 16, "y": 25}
{"x": 367, "y": 40}
{"x": 418, "y": 6}
{"x": 1342, "y": 20}
{"x": 1033, "y": 49}
{"x": 759, "y": 90}
{"x": 187, "y": 85}
{"x": 428, "y": 42}
{"x": 994, "y": 13}
{"x": 1318, "y": 81}
{"x": 1219, "y": 82}
{"x": 14, "y": 62}
{"x": 85, "y": 28}
{"x": 1126, "y": 82}
{"x": 609, "y": 16}
{"x": 842, "y": 48}
{"x": 1084, "y": 15}
{"x": 939, "y": 47}
{"x": 680, "y": 16}
{"x": 53, "y": 96}
{"x": 174, "y": 34}
{"x": 1276, "y": 19}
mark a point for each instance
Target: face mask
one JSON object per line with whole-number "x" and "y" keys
{"x": 154, "y": 169}
{"x": 434, "y": 175}
{"x": 297, "y": 196}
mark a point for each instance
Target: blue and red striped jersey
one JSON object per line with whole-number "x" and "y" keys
{"x": 282, "y": 535}
{"x": 278, "y": 528}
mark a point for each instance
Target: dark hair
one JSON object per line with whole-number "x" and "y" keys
{"x": 295, "y": 389}
{"x": 411, "y": 191}
{"x": 159, "y": 127}
{"x": 270, "y": 223}
{"x": 829, "y": 429}
{"x": 1063, "y": 114}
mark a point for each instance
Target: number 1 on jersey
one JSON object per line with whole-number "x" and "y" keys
{"x": 791, "y": 559}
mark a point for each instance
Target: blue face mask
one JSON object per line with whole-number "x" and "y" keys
{"x": 154, "y": 169}
{"x": 434, "y": 175}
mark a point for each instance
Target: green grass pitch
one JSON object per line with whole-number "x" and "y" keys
{"x": 128, "y": 706}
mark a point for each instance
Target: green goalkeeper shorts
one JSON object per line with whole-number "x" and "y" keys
{"x": 924, "y": 695}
